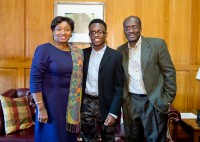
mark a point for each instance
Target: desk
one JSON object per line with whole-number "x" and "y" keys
{"x": 194, "y": 127}
{"x": 186, "y": 130}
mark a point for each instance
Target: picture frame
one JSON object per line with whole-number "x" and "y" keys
{"x": 82, "y": 13}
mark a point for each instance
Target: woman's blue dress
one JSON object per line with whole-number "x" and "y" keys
{"x": 50, "y": 74}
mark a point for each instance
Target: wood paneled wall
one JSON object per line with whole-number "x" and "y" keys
{"x": 26, "y": 24}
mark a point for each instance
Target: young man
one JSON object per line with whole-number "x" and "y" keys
{"x": 102, "y": 86}
{"x": 150, "y": 84}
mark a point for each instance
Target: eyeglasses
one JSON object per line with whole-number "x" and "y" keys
{"x": 134, "y": 28}
{"x": 93, "y": 33}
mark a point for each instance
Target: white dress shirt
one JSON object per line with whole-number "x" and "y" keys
{"x": 93, "y": 72}
{"x": 136, "y": 84}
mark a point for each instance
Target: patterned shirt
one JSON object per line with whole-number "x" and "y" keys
{"x": 136, "y": 84}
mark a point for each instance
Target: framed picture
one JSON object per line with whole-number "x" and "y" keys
{"x": 82, "y": 13}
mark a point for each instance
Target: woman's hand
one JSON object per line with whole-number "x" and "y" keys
{"x": 42, "y": 113}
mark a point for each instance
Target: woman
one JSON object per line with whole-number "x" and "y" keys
{"x": 55, "y": 83}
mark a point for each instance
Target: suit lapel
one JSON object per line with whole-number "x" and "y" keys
{"x": 145, "y": 52}
{"x": 105, "y": 57}
{"x": 87, "y": 59}
{"x": 125, "y": 54}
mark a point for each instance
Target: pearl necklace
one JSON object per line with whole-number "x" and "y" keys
{"x": 61, "y": 47}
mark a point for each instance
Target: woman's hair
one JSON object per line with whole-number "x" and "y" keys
{"x": 57, "y": 20}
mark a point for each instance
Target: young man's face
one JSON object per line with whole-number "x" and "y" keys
{"x": 98, "y": 34}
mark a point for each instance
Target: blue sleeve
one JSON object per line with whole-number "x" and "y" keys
{"x": 39, "y": 66}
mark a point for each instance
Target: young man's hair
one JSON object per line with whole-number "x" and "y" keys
{"x": 98, "y": 21}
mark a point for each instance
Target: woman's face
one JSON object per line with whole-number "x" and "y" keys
{"x": 62, "y": 32}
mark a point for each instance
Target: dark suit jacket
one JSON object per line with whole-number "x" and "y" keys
{"x": 158, "y": 74}
{"x": 110, "y": 81}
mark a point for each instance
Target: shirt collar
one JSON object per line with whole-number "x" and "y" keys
{"x": 100, "y": 51}
{"x": 138, "y": 44}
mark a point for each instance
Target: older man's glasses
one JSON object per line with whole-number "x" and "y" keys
{"x": 134, "y": 28}
{"x": 93, "y": 33}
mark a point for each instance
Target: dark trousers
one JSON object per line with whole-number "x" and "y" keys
{"x": 92, "y": 124}
{"x": 146, "y": 120}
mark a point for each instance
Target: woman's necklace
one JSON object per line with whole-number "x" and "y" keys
{"x": 64, "y": 47}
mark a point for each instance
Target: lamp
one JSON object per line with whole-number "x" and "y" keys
{"x": 198, "y": 74}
